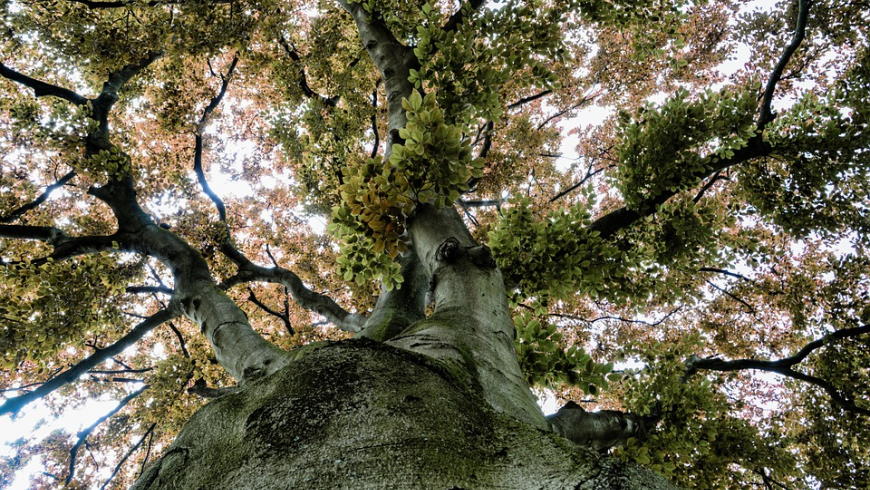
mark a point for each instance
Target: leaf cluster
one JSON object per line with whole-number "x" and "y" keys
{"x": 548, "y": 362}
{"x": 432, "y": 166}
{"x": 664, "y": 149}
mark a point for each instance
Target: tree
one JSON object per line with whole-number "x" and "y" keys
{"x": 718, "y": 233}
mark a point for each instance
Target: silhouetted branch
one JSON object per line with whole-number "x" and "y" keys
{"x": 749, "y": 307}
{"x": 619, "y": 318}
{"x": 531, "y": 98}
{"x": 458, "y": 17}
{"x": 480, "y": 203}
{"x": 13, "y": 405}
{"x": 127, "y": 455}
{"x": 784, "y": 366}
{"x": 15, "y": 214}
{"x": 83, "y": 434}
{"x": 765, "y": 115}
{"x": 307, "y": 91}
{"x": 374, "y": 119}
{"x": 40, "y": 88}
{"x": 149, "y": 289}
{"x": 614, "y": 221}
{"x": 589, "y": 174}
{"x": 197, "y": 151}
{"x": 725, "y": 272}
{"x": 282, "y": 316}
{"x": 708, "y": 185}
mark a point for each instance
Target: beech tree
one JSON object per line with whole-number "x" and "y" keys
{"x": 339, "y": 243}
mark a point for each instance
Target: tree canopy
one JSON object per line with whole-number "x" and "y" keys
{"x": 682, "y": 237}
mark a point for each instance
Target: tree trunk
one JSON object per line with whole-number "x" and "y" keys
{"x": 363, "y": 414}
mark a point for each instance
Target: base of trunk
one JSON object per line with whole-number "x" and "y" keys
{"x": 360, "y": 414}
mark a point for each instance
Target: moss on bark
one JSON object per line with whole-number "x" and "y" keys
{"x": 360, "y": 414}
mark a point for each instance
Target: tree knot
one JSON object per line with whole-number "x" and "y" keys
{"x": 449, "y": 250}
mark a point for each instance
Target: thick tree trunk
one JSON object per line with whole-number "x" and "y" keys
{"x": 362, "y": 414}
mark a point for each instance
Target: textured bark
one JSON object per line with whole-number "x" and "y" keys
{"x": 360, "y": 414}
{"x": 470, "y": 327}
{"x": 598, "y": 430}
{"x": 238, "y": 348}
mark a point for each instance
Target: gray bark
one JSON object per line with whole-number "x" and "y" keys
{"x": 361, "y": 414}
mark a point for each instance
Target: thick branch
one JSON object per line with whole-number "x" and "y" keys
{"x": 102, "y": 105}
{"x": 306, "y": 298}
{"x": 784, "y": 366}
{"x": 64, "y": 246}
{"x": 599, "y": 430}
{"x": 13, "y": 405}
{"x": 765, "y": 115}
{"x": 40, "y": 88}
{"x": 83, "y": 435}
{"x": 17, "y": 213}
{"x": 43, "y": 233}
{"x": 393, "y": 60}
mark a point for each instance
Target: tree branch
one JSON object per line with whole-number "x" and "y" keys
{"x": 616, "y": 220}
{"x": 393, "y": 59}
{"x": 307, "y": 91}
{"x": 198, "y": 148}
{"x": 127, "y": 455}
{"x": 374, "y": 120}
{"x": 15, "y": 404}
{"x": 149, "y": 289}
{"x": 95, "y": 4}
{"x": 102, "y": 105}
{"x": 304, "y": 297}
{"x": 765, "y": 115}
{"x": 531, "y": 98}
{"x": 64, "y": 246}
{"x": 83, "y": 435}
{"x": 725, "y": 272}
{"x": 282, "y": 316}
{"x": 40, "y": 88}
{"x": 17, "y": 213}
{"x": 600, "y": 430}
{"x": 784, "y": 366}
{"x": 755, "y": 147}
{"x": 749, "y": 307}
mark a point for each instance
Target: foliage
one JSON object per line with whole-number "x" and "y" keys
{"x": 699, "y": 443}
{"x": 548, "y": 363}
{"x": 432, "y": 166}
{"x": 662, "y": 149}
{"x": 606, "y": 151}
